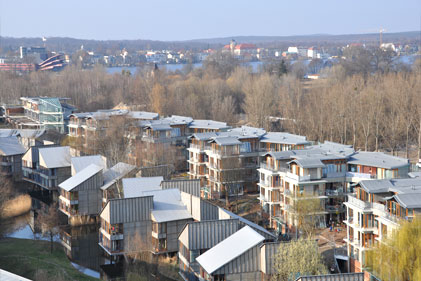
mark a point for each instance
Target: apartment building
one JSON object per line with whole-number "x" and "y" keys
{"x": 87, "y": 127}
{"x": 165, "y": 141}
{"x": 47, "y": 166}
{"x": 83, "y": 195}
{"x": 374, "y": 212}
{"x": 228, "y": 161}
{"x": 45, "y": 112}
{"x": 327, "y": 172}
{"x": 199, "y": 237}
{"x": 11, "y": 152}
{"x": 225, "y": 250}
{"x": 147, "y": 220}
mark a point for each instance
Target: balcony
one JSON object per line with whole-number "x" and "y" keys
{"x": 335, "y": 192}
{"x": 360, "y": 175}
{"x": 335, "y": 208}
{"x": 358, "y": 203}
{"x": 297, "y": 177}
{"x": 265, "y": 166}
{"x": 112, "y": 236}
{"x": 335, "y": 175}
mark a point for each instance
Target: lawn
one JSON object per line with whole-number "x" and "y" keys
{"x": 26, "y": 257}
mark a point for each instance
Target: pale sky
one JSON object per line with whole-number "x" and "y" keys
{"x": 194, "y": 19}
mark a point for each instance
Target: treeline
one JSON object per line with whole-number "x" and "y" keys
{"x": 371, "y": 106}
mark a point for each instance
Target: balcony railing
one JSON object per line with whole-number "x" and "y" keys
{"x": 360, "y": 175}
{"x": 359, "y": 203}
{"x": 335, "y": 192}
{"x": 264, "y": 165}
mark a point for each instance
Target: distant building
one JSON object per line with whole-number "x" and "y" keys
{"x": 45, "y": 113}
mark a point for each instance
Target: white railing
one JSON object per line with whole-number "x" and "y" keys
{"x": 360, "y": 175}
{"x": 359, "y": 203}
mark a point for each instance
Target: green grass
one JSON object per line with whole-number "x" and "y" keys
{"x": 25, "y": 257}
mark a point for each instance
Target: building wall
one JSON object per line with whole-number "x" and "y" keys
{"x": 137, "y": 236}
{"x": 247, "y": 276}
{"x": 248, "y": 262}
{"x": 173, "y": 230}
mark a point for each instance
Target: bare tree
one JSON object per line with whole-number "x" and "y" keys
{"x": 48, "y": 220}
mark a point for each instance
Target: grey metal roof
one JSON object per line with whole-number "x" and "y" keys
{"x": 414, "y": 174}
{"x": 179, "y": 120}
{"x": 308, "y": 163}
{"x": 115, "y": 173}
{"x": 135, "y": 187}
{"x": 247, "y": 222}
{"x": 54, "y": 157}
{"x": 184, "y": 185}
{"x": 143, "y": 115}
{"x": 208, "y": 124}
{"x": 11, "y": 146}
{"x": 399, "y": 186}
{"x": 80, "y": 177}
{"x": 80, "y": 163}
{"x": 248, "y": 131}
{"x": 25, "y": 133}
{"x": 229, "y": 249}
{"x": 226, "y": 140}
{"x": 284, "y": 138}
{"x": 377, "y": 159}
{"x": 376, "y": 186}
{"x": 160, "y": 127}
{"x": 204, "y": 136}
{"x": 167, "y": 205}
{"x": 409, "y": 200}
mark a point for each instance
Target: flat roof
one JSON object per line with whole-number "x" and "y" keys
{"x": 167, "y": 205}
{"x": 229, "y": 249}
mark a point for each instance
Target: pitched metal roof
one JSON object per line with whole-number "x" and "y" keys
{"x": 409, "y": 200}
{"x": 54, "y": 157}
{"x": 226, "y": 141}
{"x": 229, "y": 249}
{"x": 377, "y": 159}
{"x": 143, "y": 115}
{"x": 11, "y": 146}
{"x": 80, "y": 177}
{"x": 115, "y": 173}
{"x": 208, "y": 124}
{"x": 308, "y": 163}
{"x": 284, "y": 138}
{"x": 376, "y": 186}
{"x": 135, "y": 187}
{"x": 167, "y": 205}
{"x": 80, "y": 163}
{"x": 247, "y": 222}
